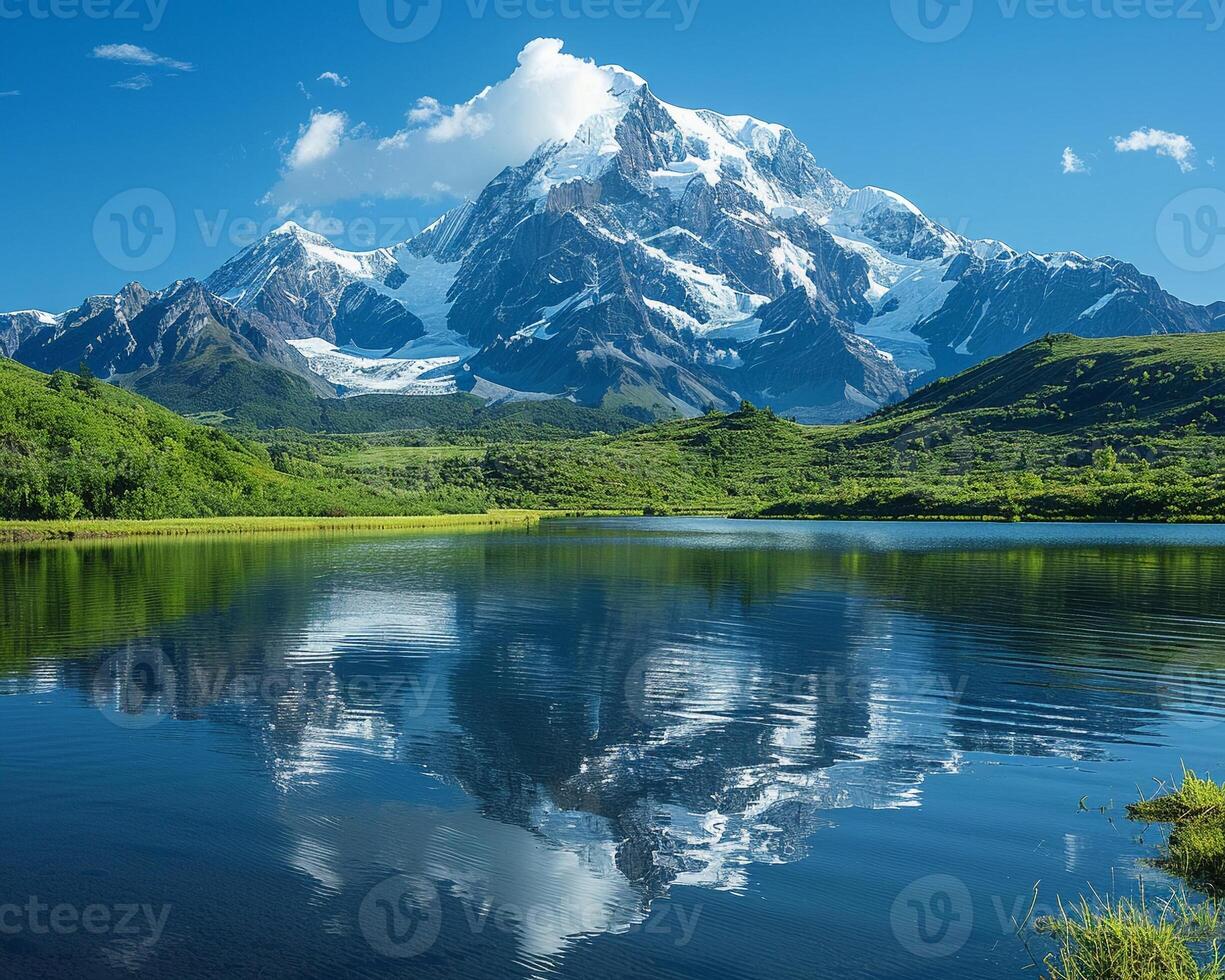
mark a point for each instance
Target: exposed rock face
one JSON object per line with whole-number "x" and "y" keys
{"x": 136, "y": 332}
{"x": 306, "y": 287}
{"x": 662, "y": 259}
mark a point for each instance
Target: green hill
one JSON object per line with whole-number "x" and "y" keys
{"x": 1065, "y": 428}
{"x": 243, "y": 395}
{"x": 74, "y": 447}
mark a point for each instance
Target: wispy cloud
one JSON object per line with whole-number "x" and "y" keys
{"x": 1072, "y": 162}
{"x": 10, "y": 95}
{"x": 134, "y": 54}
{"x": 134, "y": 84}
{"x": 1177, "y": 148}
{"x": 338, "y": 80}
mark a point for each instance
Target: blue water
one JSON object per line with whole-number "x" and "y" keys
{"x": 663, "y": 748}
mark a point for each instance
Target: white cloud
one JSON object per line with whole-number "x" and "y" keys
{"x": 460, "y": 147}
{"x": 1072, "y": 163}
{"x": 426, "y": 110}
{"x": 318, "y": 140}
{"x": 132, "y": 54}
{"x": 135, "y": 83}
{"x": 338, "y": 80}
{"x": 9, "y": 95}
{"x": 1178, "y": 148}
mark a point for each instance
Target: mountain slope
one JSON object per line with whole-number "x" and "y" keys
{"x": 72, "y": 448}
{"x": 1066, "y": 428}
{"x": 184, "y": 347}
{"x": 637, "y": 263}
{"x": 661, "y": 260}
{"x": 306, "y": 287}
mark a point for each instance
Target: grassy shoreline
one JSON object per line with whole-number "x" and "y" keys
{"x": 33, "y": 532}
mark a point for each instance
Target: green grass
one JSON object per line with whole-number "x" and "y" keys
{"x": 37, "y": 531}
{"x": 1193, "y": 799}
{"x": 74, "y": 449}
{"x": 1127, "y": 940}
{"x": 1195, "y": 848}
{"x": 1064, "y": 429}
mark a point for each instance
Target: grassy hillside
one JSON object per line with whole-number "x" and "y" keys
{"x": 1064, "y": 429}
{"x": 77, "y": 448}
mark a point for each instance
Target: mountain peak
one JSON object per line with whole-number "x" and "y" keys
{"x": 294, "y": 230}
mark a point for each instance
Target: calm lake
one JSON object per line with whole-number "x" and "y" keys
{"x": 655, "y": 748}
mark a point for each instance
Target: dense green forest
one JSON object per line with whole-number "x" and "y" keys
{"x": 73, "y": 447}
{"x": 1066, "y": 428}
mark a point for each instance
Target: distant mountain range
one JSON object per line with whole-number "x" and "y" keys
{"x": 662, "y": 261}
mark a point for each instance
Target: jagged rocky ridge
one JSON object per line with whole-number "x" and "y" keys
{"x": 662, "y": 260}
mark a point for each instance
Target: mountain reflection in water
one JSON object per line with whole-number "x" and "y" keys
{"x": 574, "y": 723}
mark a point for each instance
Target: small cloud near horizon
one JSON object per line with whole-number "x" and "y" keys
{"x": 134, "y": 54}
{"x": 1073, "y": 163}
{"x": 134, "y": 84}
{"x": 1173, "y": 145}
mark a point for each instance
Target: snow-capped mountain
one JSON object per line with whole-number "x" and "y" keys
{"x": 661, "y": 260}
{"x": 671, "y": 258}
{"x": 309, "y": 288}
{"x": 136, "y": 332}
{"x": 16, "y": 328}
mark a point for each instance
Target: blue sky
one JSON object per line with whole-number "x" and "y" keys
{"x": 971, "y": 127}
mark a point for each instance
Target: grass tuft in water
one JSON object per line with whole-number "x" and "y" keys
{"x": 1127, "y": 940}
{"x": 1195, "y": 799}
{"x": 1195, "y": 849}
